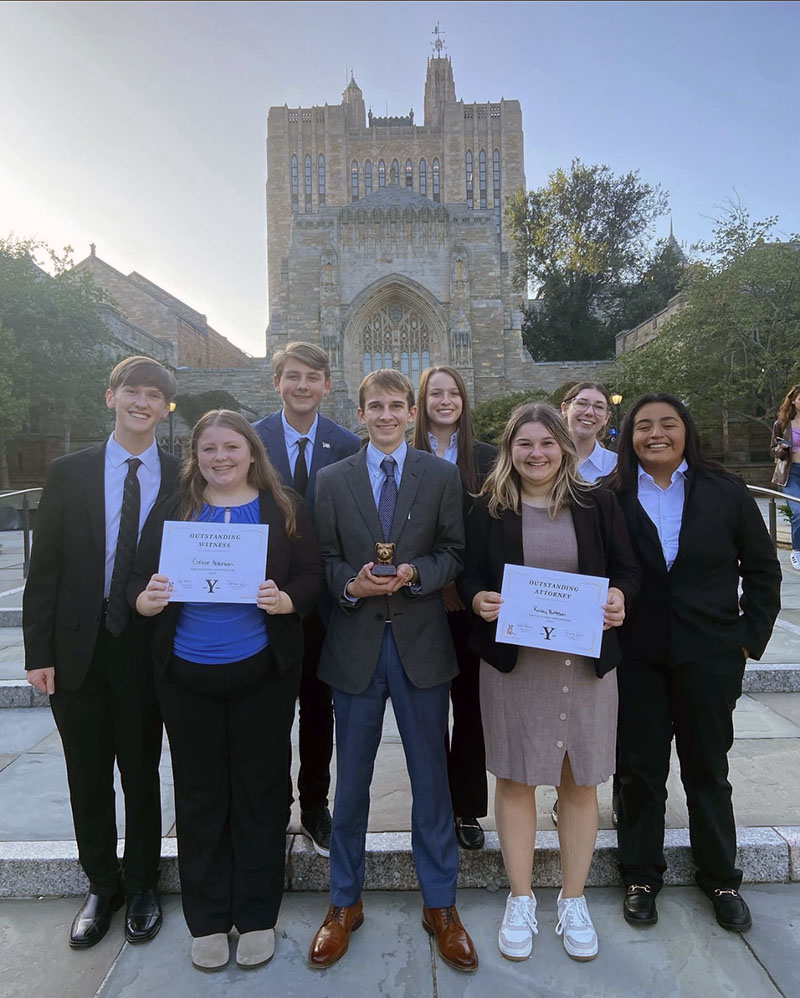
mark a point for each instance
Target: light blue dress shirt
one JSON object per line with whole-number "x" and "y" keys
{"x": 376, "y": 473}
{"x": 291, "y": 437}
{"x": 665, "y": 508}
{"x": 451, "y": 454}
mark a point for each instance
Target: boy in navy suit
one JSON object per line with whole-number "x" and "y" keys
{"x": 300, "y": 441}
{"x": 85, "y": 648}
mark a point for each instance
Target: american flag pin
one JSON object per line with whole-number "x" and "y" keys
{"x": 326, "y": 445}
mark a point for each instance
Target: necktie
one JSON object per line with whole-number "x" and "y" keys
{"x": 388, "y": 497}
{"x": 118, "y": 612}
{"x": 300, "y": 478}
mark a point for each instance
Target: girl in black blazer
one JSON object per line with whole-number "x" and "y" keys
{"x": 227, "y": 676}
{"x": 444, "y": 427}
{"x": 696, "y": 531}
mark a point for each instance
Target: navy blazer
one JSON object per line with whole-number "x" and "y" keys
{"x": 604, "y": 549}
{"x": 331, "y": 444}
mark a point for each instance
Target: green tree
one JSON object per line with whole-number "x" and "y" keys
{"x": 489, "y": 418}
{"x": 14, "y": 397}
{"x": 578, "y": 240}
{"x": 191, "y": 407}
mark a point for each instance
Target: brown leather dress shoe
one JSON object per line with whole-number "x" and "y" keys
{"x": 452, "y": 939}
{"x": 330, "y": 942}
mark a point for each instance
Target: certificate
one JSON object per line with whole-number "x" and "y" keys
{"x": 213, "y": 562}
{"x": 555, "y": 610}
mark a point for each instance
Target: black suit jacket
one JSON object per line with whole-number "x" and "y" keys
{"x": 604, "y": 549}
{"x": 294, "y": 565}
{"x": 694, "y": 610}
{"x": 63, "y": 602}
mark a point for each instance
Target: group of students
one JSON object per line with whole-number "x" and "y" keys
{"x": 674, "y": 535}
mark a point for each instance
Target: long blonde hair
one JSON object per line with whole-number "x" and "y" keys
{"x": 261, "y": 474}
{"x": 502, "y": 484}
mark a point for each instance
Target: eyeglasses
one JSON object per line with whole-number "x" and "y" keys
{"x": 583, "y": 404}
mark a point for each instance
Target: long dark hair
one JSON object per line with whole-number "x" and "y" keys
{"x": 261, "y": 476}
{"x": 465, "y": 460}
{"x": 624, "y": 476}
{"x": 789, "y": 408}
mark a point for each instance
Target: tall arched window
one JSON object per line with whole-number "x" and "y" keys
{"x": 482, "y": 176}
{"x": 398, "y": 336}
{"x": 436, "y": 181}
{"x": 354, "y": 181}
{"x": 496, "y": 187}
{"x": 381, "y": 174}
{"x": 307, "y": 164}
{"x": 468, "y": 171}
{"x": 395, "y": 172}
{"x": 423, "y": 178}
{"x": 321, "y": 180}
{"x": 409, "y": 174}
{"x": 295, "y": 188}
{"x": 368, "y": 177}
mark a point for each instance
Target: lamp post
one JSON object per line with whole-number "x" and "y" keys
{"x": 172, "y": 407}
{"x": 616, "y": 401}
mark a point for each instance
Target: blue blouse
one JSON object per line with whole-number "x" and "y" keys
{"x": 218, "y": 633}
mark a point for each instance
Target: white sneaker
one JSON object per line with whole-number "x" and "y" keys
{"x": 515, "y": 939}
{"x": 794, "y": 558}
{"x": 576, "y": 929}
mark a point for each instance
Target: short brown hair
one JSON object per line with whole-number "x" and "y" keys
{"x": 138, "y": 371}
{"x": 386, "y": 379}
{"x": 306, "y": 353}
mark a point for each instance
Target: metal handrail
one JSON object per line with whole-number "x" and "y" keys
{"x": 773, "y": 509}
{"x": 26, "y": 524}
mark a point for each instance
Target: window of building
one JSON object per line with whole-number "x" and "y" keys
{"x": 295, "y": 191}
{"x": 423, "y": 178}
{"x": 409, "y": 174}
{"x": 395, "y": 172}
{"x": 436, "y": 181}
{"x": 354, "y": 181}
{"x": 396, "y": 336}
{"x": 496, "y": 187}
{"x": 368, "y": 177}
{"x": 381, "y": 174}
{"x": 307, "y": 165}
{"x": 468, "y": 171}
{"x": 482, "y": 176}
{"x": 321, "y": 180}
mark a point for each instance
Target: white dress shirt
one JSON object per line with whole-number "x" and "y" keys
{"x": 665, "y": 508}
{"x": 116, "y": 470}
{"x": 599, "y": 463}
{"x": 291, "y": 436}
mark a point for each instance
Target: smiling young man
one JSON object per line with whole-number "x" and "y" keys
{"x": 300, "y": 441}
{"x": 388, "y": 637}
{"x": 84, "y": 649}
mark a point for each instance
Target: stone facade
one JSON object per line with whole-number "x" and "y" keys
{"x": 639, "y": 336}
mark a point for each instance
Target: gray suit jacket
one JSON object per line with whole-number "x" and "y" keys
{"x": 429, "y": 532}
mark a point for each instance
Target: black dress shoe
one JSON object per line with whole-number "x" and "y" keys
{"x": 731, "y": 910}
{"x": 316, "y": 825}
{"x": 469, "y": 833}
{"x": 639, "y": 906}
{"x": 92, "y": 921}
{"x": 143, "y": 916}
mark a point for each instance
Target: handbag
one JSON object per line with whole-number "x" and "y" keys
{"x": 783, "y": 466}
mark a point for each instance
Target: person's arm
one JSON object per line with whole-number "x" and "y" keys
{"x": 338, "y": 572}
{"x": 444, "y": 561}
{"x": 476, "y": 576}
{"x": 148, "y": 555}
{"x": 760, "y": 570}
{"x": 304, "y": 581}
{"x": 779, "y": 447}
{"x": 623, "y": 569}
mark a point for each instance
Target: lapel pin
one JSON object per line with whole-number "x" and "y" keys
{"x": 326, "y": 445}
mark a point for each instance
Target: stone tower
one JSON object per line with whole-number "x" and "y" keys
{"x": 386, "y": 240}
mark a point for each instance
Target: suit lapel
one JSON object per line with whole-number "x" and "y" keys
{"x": 322, "y": 454}
{"x": 512, "y": 538}
{"x": 276, "y": 445}
{"x": 408, "y": 490}
{"x": 689, "y": 487}
{"x": 358, "y": 482}
{"x": 94, "y": 488}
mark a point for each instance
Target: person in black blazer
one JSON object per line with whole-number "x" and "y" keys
{"x": 444, "y": 427}
{"x": 696, "y": 532}
{"x": 83, "y": 649}
{"x": 302, "y": 377}
{"x": 227, "y": 676}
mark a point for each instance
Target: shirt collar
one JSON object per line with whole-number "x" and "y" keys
{"x": 292, "y": 435}
{"x": 434, "y": 442}
{"x": 375, "y": 456}
{"x": 596, "y": 457}
{"x": 681, "y": 470}
{"x": 116, "y": 455}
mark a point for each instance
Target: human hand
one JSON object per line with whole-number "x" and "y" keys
{"x": 367, "y": 584}
{"x": 43, "y": 679}
{"x": 487, "y": 605}
{"x": 613, "y": 609}
{"x": 273, "y": 600}
{"x": 452, "y": 601}
{"x": 155, "y": 596}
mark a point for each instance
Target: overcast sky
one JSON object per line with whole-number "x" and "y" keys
{"x": 141, "y": 126}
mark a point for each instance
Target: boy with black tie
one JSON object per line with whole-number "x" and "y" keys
{"x": 85, "y": 647}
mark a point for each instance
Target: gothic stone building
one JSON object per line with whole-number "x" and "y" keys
{"x": 386, "y": 239}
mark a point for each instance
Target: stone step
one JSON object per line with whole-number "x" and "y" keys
{"x": 766, "y": 855}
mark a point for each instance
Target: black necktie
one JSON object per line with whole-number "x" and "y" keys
{"x": 118, "y": 612}
{"x": 300, "y": 479}
{"x": 388, "y": 497}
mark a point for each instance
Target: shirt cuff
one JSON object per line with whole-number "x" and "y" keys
{"x": 347, "y": 596}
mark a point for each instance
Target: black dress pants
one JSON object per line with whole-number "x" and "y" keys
{"x": 694, "y": 702}
{"x": 466, "y": 756}
{"x": 114, "y": 716}
{"x": 229, "y": 729}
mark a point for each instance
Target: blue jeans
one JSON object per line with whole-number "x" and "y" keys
{"x": 792, "y": 488}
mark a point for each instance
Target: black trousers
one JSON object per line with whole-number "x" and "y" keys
{"x": 114, "y": 716}
{"x": 466, "y": 756}
{"x": 316, "y": 723}
{"x": 694, "y": 702}
{"x": 229, "y": 729}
